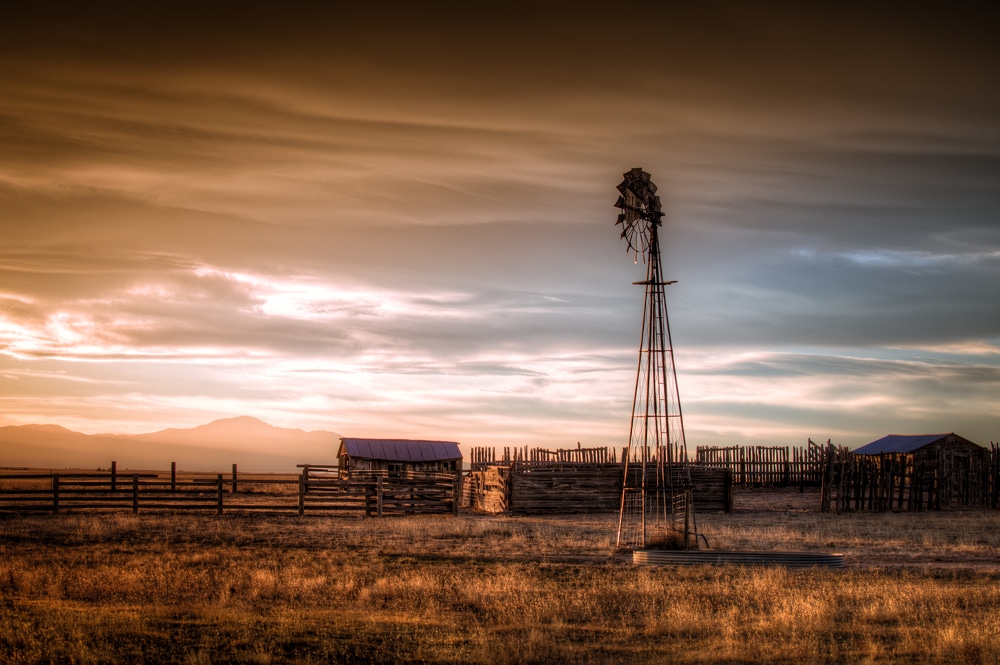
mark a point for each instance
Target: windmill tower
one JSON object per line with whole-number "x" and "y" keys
{"x": 656, "y": 488}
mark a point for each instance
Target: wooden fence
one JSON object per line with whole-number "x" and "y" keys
{"x": 528, "y": 481}
{"x": 483, "y": 457}
{"x": 486, "y": 489}
{"x": 569, "y": 488}
{"x": 994, "y": 475}
{"x": 314, "y": 490}
{"x": 564, "y": 488}
{"x": 904, "y": 481}
{"x": 755, "y": 466}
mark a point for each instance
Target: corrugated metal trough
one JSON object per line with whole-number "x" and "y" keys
{"x": 722, "y": 557}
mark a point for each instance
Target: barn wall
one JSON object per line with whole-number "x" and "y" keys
{"x": 355, "y": 464}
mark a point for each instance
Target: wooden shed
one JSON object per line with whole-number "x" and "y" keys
{"x": 397, "y": 456}
{"x": 924, "y": 444}
{"x": 950, "y": 469}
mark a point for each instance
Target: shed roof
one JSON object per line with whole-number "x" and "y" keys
{"x": 900, "y": 443}
{"x": 400, "y": 450}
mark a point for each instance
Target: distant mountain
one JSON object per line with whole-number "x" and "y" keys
{"x": 248, "y": 442}
{"x": 228, "y": 430}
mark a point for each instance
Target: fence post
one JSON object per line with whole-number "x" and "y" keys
{"x": 173, "y": 476}
{"x": 302, "y": 491}
{"x": 996, "y": 476}
{"x": 55, "y": 493}
{"x": 729, "y": 491}
{"x": 456, "y": 493}
{"x": 135, "y": 493}
{"x": 114, "y": 476}
{"x": 219, "y": 508}
{"x": 848, "y": 470}
{"x": 826, "y": 481}
{"x": 688, "y": 507}
{"x": 995, "y": 464}
{"x": 378, "y": 496}
{"x": 234, "y": 478}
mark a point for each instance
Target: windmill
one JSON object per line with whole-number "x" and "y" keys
{"x": 657, "y": 481}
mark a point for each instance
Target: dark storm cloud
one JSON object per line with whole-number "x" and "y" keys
{"x": 470, "y": 57}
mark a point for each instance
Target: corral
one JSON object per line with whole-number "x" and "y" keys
{"x": 922, "y": 472}
{"x": 945, "y": 473}
{"x": 756, "y": 466}
{"x": 581, "y": 480}
{"x": 315, "y": 490}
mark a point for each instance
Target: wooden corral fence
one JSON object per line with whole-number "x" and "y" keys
{"x": 316, "y": 489}
{"x": 544, "y": 487}
{"x": 903, "y": 481}
{"x": 994, "y": 475}
{"x": 535, "y": 481}
{"x": 487, "y": 456}
{"x": 756, "y": 466}
{"x": 567, "y": 488}
{"x": 486, "y": 489}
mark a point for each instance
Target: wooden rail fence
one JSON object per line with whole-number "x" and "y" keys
{"x": 314, "y": 490}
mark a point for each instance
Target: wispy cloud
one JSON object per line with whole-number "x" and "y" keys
{"x": 405, "y": 224}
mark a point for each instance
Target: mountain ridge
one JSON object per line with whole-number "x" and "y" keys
{"x": 249, "y": 442}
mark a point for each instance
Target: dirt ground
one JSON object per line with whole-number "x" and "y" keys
{"x": 781, "y": 499}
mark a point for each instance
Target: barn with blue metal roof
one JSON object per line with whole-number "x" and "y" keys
{"x": 398, "y": 456}
{"x": 908, "y": 443}
{"x": 932, "y": 470}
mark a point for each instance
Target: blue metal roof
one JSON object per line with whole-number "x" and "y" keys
{"x": 401, "y": 450}
{"x": 899, "y": 443}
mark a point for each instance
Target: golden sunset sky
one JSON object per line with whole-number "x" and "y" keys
{"x": 395, "y": 219}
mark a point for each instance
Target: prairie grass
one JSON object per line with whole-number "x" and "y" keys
{"x": 480, "y": 589}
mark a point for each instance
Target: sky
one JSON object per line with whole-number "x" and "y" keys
{"x": 398, "y": 220}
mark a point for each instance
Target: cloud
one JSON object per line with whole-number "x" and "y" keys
{"x": 406, "y": 223}
{"x": 847, "y": 397}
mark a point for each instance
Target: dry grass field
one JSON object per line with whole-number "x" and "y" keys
{"x": 485, "y": 589}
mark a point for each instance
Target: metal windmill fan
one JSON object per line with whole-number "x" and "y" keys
{"x": 641, "y": 211}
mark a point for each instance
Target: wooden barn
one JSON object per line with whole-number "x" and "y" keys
{"x": 915, "y": 472}
{"x": 396, "y": 456}
{"x": 925, "y": 446}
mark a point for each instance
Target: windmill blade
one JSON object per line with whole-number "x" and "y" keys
{"x": 640, "y": 210}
